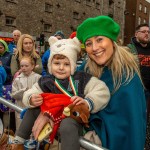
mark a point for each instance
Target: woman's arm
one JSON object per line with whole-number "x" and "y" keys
{"x": 38, "y": 67}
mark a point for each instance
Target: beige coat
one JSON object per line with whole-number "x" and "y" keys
{"x": 21, "y": 84}
{"x": 95, "y": 90}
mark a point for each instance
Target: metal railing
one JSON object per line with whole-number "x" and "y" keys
{"x": 88, "y": 145}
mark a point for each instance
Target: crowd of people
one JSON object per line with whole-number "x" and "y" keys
{"x": 112, "y": 81}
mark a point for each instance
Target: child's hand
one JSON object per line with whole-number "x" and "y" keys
{"x": 79, "y": 100}
{"x": 37, "y": 66}
{"x": 36, "y": 100}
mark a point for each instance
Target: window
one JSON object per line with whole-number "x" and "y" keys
{"x": 139, "y": 20}
{"x": 75, "y": 15}
{"x": 10, "y": 21}
{"x": 48, "y": 7}
{"x": 140, "y": 7}
{"x": 12, "y": 1}
{"x": 88, "y": 3}
{"x": 111, "y": 2}
{"x": 78, "y": 1}
{"x": 47, "y": 28}
{"x": 97, "y": 5}
{"x": 144, "y": 21}
{"x": 145, "y": 10}
{"x": 111, "y": 15}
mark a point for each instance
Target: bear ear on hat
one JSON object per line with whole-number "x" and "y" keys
{"x": 52, "y": 40}
{"x": 76, "y": 41}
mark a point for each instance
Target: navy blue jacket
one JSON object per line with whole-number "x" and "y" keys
{"x": 6, "y": 60}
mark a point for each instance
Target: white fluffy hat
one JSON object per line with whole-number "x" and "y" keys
{"x": 67, "y": 47}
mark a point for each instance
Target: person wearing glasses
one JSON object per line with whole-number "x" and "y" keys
{"x": 140, "y": 46}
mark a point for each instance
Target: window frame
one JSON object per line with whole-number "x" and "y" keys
{"x": 50, "y": 7}
{"x": 10, "y": 19}
{"x": 76, "y": 15}
{"x": 46, "y": 28}
{"x": 89, "y": 3}
{"x": 12, "y": 1}
{"x": 140, "y": 7}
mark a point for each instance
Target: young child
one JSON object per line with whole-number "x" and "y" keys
{"x": 62, "y": 65}
{"x": 23, "y": 82}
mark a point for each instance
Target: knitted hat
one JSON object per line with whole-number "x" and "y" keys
{"x": 98, "y": 26}
{"x": 59, "y": 33}
{"x": 73, "y": 34}
{"x": 67, "y": 47}
{"x": 5, "y": 44}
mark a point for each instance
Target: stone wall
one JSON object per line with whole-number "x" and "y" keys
{"x": 65, "y": 15}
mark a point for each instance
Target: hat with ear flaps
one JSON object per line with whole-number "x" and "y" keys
{"x": 4, "y": 44}
{"x": 67, "y": 47}
{"x": 98, "y": 26}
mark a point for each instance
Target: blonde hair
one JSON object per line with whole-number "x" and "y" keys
{"x": 122, "y": 64}
{"x": 19, "y": 52}
{"x": 29, "y": 59}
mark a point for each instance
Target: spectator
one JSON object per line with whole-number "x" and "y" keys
{"x": 12, "y": 46}
{"x": 140, "y": 46}
{"x": 3, "y": 76}
{"x": 23, "y": 82}
{"x": 25, "y": 47}
{"x": 91, "y": 92}
{"x": 121, "y": 125}
{"x": 59, "y": 35}
{"x": 5, "y": 60}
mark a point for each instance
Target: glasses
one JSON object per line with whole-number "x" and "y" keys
{"x": 145, "y": 31}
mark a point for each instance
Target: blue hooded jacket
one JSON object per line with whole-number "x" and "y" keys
{"x": 3, "y": 76}
{"x": 11, "y": 47}
{"x": 45, "y": 58}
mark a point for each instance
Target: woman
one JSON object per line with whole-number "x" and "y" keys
{"x": 121, "y": 125}
{"x": 25, "y": 47}
{"x": 5, "y": 60}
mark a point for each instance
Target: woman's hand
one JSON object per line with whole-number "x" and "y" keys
{"x": 79, "y": 100}
{"x": 37, "y": 66}
{"x": 36, "y": 100}
{"x": 40, "y": 122}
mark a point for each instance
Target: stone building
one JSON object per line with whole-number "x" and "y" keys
{"x": 47, "y": 16}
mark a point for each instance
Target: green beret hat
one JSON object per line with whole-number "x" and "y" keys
{"x": 98, "y": 26}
